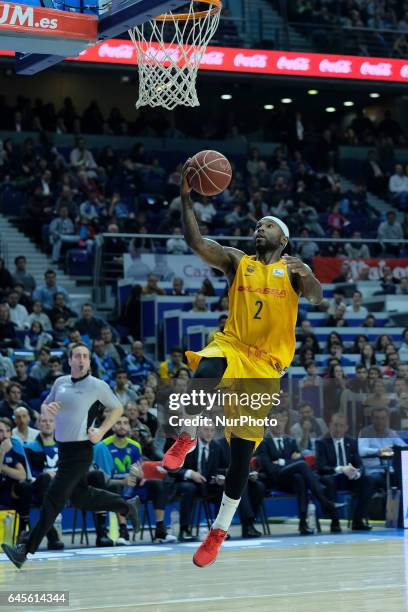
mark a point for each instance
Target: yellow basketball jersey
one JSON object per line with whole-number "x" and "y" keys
{"x": 263, "y": 310}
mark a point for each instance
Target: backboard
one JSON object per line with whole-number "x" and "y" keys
{"x": 45, "y": 33}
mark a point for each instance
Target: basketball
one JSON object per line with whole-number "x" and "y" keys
{"x": 210, "y": 173}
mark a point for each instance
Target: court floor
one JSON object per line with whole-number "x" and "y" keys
{"x": 349, "y": 572}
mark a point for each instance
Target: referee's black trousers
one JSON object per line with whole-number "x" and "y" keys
{"x": 70, "y": 482}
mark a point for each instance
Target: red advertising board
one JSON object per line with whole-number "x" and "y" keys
{"x": 329, "y": 268}
{"x": 225, "y": 59}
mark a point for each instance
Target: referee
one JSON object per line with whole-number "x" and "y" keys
{"x": 73, "y": 400}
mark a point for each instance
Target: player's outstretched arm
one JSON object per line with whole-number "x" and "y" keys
{"x": 225, "y": 259}
{"x": 303, "y": 279}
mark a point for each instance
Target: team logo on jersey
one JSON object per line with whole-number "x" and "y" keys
{"x": 278, "y": 272}
{"x": 249, "y": 270}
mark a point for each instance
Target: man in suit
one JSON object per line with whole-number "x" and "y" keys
{"x": 282, "y": 467}
{"x": 340, "y": 467}
{"x": 199, "y": 477}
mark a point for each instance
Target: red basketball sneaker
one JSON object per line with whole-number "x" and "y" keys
{"x": 174, "y": 459}
{"x": 207, "y": 552}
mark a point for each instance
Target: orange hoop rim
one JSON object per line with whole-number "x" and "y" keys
{"x": 216, "y": 4}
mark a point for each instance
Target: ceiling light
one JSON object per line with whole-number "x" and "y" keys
{"x": 374, "y": 95}
{"x": 330, "y": 109}
{"x": 269, "y": 107}
{"x": 312, "y": 92}
{"x": 348, "y": 103}
{"x": 226, "y": 97}
{"x": 286, "y": 100}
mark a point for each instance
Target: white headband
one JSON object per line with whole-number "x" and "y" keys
{"x": 281, "y": 224}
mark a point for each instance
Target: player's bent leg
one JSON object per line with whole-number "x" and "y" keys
{"x": 235, "y": 482}
{"x": 211, "y": 369}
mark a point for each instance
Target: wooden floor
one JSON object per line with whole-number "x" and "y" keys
{"x": 348, "y": 572}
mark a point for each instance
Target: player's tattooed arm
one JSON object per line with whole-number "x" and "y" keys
{"x": 303, "y": 279}
{"x": 225, "y": 259}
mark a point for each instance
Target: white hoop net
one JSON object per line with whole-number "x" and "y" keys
{"x": 169, "y": 52}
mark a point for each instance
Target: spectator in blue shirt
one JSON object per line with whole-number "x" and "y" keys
{"x": 45, "y": 293}
{"x": 103, "y": 365}
{"x": 137, "y": 365}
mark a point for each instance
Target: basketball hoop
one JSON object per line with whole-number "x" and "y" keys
{"x": 169, "y": 50}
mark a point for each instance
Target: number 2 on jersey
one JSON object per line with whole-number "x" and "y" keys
{"x": 259, "y": 304}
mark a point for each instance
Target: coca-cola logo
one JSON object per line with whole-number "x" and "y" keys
{"x": 213, "y": 58}
{"x": 124, "y": 51}
{"x": 404, "y": 71}
{"x": 251, "y": 61}
{"x": 298, "y": 63}
{"x": 381, "y": 69}
{"x": 335, "y": 67}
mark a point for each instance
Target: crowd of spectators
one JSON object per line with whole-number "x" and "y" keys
{"x": 68, "y": 197}
{"x": 363, "y": 27}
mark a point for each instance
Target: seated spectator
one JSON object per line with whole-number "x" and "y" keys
{"x": 312, "y": 379}
{"x": 357, "y": 249}
{"x": 307, "y": 248}
{"x": 199, "y": 304}
{"x": 338, "y": 298}
{"x": 15, "y": 493}
{"x": 345, "y": 275}
{"x": 39, "y": 316}
{"x": 12, "y": 400}
{"x": 145, "y": 416}
{"x": 54, "y": 371}
{"x": 8, "y": 336}
{"x": 356, "y": 307}
{"x": 176, "y": 245}
{"x": 398, "y": 186}
{"x": 205, "y": 210}
{"x": 36, "y": 337}
{"x": 340, "y": 467}
{"x": 137, "y": 365}
{"x": 123, "y": 389}
{"x": 60, "y": 309}
{"x": 18, "y": 313}
{"x": 391, "y": 363}
{"x": 62, "y": 231}
{"x": 376, "y": 441}
{"x": 359, "y": 343}
{"x": 359, "y": 384}
{"x": 335, "y": 220}
{"x": 403, "y": 350}
{"x": 103, "y": 366}
{"x": 281, "y": 467}
{"x": 60, "y": 333}
{"x": 336, "y": 350}
{"x": 178, "y": 286}
{"x": 7, "y": 370}
{"x": 88, "y": 324}
{"x": 30, "y": 386}
{"x": 309, "y": 218}
{"x": 368, "y": 356}
{"x": 126, "y": 476}
{"x": 21, "y": 275}
{"x": 45, "y": 293}
{"x": 374, "y": 174}
{"x": 81, "y": 159}
{"x": 151, "y": 287}
{"x": 333, "y": 338}
{"x": 113, "y": 349}
{"x": 170, "y": 367}
{"x": 40, "y": 367}
{"x": 369, "y": 321}
{"x": 390, "y": 229}
{"x": 338, "y": 319}
{"x": 308, "y": 429}
{"x": 22, "y": 430}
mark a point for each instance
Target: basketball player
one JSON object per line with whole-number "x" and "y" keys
{"x": 74, "y": 400}
{"x": 258, "y": 342}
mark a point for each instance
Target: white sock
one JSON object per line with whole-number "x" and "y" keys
{"x": 191, "y": 430}
{"x": 226, "y": 513}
